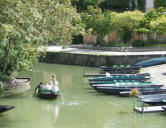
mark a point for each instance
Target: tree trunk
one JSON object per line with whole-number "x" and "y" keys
{"x": 99, "y": 40}
{"x": 6, "y": 57}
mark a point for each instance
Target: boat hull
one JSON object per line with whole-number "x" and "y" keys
{"x": 146, "y": 92}
{"x": 117, "y": 90}
{"x": 4, "y": 108}
{"x": 47, "y": 96}
{"x": 121, "y": 77}
{"x": 154, "y": 100}
{"x": 17, "y": 85}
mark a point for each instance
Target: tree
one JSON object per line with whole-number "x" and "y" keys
{"x": 126, "y": 23}
{"x": 159, "y": 25}
{"x": 96, "y": 3}
{"x": 123, "y": 5}
{"x": 98, "y": 22}
{"x": 27, "y": 25}
{"x": 82, "y": 5}
{"x": 144, "y": 25}
{"x": 160, "y": 3}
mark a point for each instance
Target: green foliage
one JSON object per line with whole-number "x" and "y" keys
{"x": 118, "y": 44}
{"x": 82, "y": 5}
{"x": 160, "y": 3}
{"x": 26, "y": 25}
{"x": 78, "y": 39}
{"x": 144, "y": 26}
{"x": 159, "y": 25}
{"x": 94, "y": 2}
{"x": 141, "y": 5}
{"x": 97, "y": 22}
{"x": 61, "y": 20}
{"x": 114, "y": 5}
{"x": 126, "y": 23}
{"x": 1, "y": 90}
{"x": 138, "y": 43}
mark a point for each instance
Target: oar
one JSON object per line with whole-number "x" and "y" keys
{"x": 61, "y": 94}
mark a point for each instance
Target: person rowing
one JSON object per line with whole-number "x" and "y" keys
{"x": 54, "y": 84}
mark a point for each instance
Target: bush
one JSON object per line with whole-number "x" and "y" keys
{"x": 118, "y": 44}
{"x": 138, "y": 43}
{"x": 106, "y": 44}
{"x": 78, "y": 39}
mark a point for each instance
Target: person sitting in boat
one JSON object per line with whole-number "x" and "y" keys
{"x": 107, "y": 74}
{"x": 54, "y": 84}
{"x": 47, "y": 86}
{"x": 39, "y": 86}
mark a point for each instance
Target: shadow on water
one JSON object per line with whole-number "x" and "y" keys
{"x": 163, "y": 114}
{"x": 14, "y": 97}
{"x": 2, "y": 115}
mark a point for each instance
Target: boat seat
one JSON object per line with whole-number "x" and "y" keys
{"x": 44, "y": 91}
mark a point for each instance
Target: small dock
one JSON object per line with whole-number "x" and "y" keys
{"x": 149, "y": 109}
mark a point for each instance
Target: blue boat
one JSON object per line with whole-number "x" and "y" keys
{"x": 120, "y": 68}
{"x": 120, "y": 82}
{"x": 152, "y": 62}
{"x": 122, "y": 77}
{"x": 115, "y": 90}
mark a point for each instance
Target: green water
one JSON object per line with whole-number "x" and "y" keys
{"x": 79, "y": 106}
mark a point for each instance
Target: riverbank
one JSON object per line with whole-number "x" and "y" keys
{"x": 91, "y": 57}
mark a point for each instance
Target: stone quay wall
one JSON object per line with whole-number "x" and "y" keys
{"x": 94, "y": 60}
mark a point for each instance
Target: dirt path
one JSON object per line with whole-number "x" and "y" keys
{"x": 158, "y": 73}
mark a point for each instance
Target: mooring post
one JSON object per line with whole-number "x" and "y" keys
{"x": 134, "y": 103}
{"x": 142, "y": 106}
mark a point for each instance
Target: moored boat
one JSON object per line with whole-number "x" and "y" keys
{"x": 122, "y": 77}
{"x": 121, "y": 68}
{"x": 122, "y": 83}
{"x": 120, "y": 71}
{"x": 117, "y": 89}
{"x": 152, "y": 62}
{"x": 164, "y": 107}
{"x": 103, "y": 74}
{"x": 4, "y": 108}
{"x": 145, "y": 92}
{"x": 14, "y": 86}
{"x": 154, "y": 100}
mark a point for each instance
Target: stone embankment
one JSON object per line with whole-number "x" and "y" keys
{"x": 95, "y": 57}
{"x": 91, "y": 57}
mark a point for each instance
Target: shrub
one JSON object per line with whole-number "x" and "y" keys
{"x": 118, "y": 44}
{"x": 78, "y": 39}
{"x": 138, "y": 43}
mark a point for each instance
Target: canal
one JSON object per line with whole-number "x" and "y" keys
{"x": 79, "y": 106}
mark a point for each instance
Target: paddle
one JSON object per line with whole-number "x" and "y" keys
{"x": 61, "y": 94}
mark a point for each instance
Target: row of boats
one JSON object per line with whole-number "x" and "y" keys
{"x": 123, "y": 87}
{"x": 150, "y": 92}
